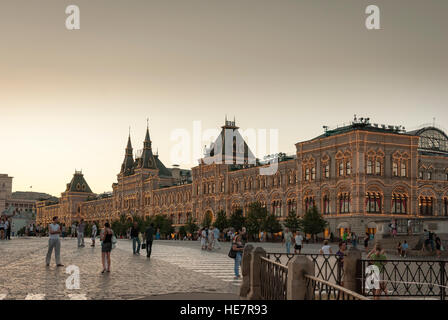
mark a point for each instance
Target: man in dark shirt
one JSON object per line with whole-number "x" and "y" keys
{"x": 149, "y": 237}
{"x": 135, "y": 239}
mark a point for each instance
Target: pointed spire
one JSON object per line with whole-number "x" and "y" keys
{"x": 128, "y": 163}
{"x": 147, "y": 155}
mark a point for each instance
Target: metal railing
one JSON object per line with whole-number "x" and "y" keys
{"x": 327, "y": 267}
{"x": 273, "y": 278}
{"x": 408, "y": 278}
{"x": 324, "y": 290}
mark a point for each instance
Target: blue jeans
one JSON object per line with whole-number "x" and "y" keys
{"x": 134, "y": 240}
{"x": 288, "y": 247}
{"x": 238, "y": 258}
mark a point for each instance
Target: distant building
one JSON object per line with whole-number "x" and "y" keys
{"x": 360, "y": 177}
{"x": 20, "y": 206}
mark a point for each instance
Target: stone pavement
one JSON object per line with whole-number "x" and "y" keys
{"x": 173, "y": 271}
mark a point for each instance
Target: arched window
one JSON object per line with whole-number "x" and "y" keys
{"x": 426, "y": 206}
{"x": 399, "y": 203}
{"x": 326, "y": 204}
{"x": 373, "y": 202}
{"x": 292, "y": 205}
{"x": 277, "y": 208}
{"x": 344, "y": 202}
{"x": 309, "y": 203}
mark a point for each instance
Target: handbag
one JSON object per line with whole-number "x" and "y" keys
{"x": 232, "y": 253}
{"x": 144, "y": 245}
{"x": 114, "y": 241}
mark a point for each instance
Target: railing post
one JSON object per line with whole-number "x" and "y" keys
{"x": 352, "y": 271}
{"x": 442, "y": 281}
{"x": 245, "y": 270}
{"x": 296, "y": 285}
{"x": 255, "y": 273}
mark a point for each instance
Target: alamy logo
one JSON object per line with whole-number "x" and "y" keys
{"x": 372, "y": 277}
{"x": 72, "y": 281}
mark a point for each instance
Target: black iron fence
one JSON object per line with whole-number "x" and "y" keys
{"x": 273, "y": 276}
{"x": 326, "y": 267}
{"x": 318, "y": 289}
{"x": 405, "y": 278}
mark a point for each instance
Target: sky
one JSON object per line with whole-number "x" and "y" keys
{"x": 68, "y": 97}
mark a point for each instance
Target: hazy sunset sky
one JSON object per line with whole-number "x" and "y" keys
{"x": 67, "y": 98}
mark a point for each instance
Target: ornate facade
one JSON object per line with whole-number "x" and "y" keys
{"x": 360, "y": 176}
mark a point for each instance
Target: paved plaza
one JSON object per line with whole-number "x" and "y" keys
{"x": 173, "y": 270}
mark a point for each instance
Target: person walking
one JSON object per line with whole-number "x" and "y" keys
{"x": 438, "y": 246}
{"x": 8, "y": 228}
{"x": 298, "y": 240}
{"x": 340, "y": 260}
{"x": 94, "y": 232}
{"x": 135, "y": 239}
{"x": 73, "y": 230}
{"x": 211, "y": 239}
{"x": 238, "y": 248}
{"x": 409, "y": 227}
{"x": 54, "y": 230}
{"x": 287, "y": 240}
{"x": 106, "y": 246}
{"x": 2, "y": 228}
{"x": 149, "y": 235}
{"x": 326, "y": 248}
{"x": 63, "y": 231}
{"x": 216, "y": 233}
{"x": 354, "y": 240}
{"x": 366, "y": 242}
{"x": 81, "y": 228}
{"x": 404, "y": 248}
{"x": 203, "y": 239}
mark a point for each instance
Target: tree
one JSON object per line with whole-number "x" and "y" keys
{"x": 272, "y": 225}
{"x": 292, "y": 221}
{"x": 256, "y": 218}
{"x": 237, "y": 220}
{"x": 207, "y": 221}
{"x": 312, "y": 222}
{"x": 191, "y": 226}
{"x": 221, "y": 221}
{"x": 182, "y": 232}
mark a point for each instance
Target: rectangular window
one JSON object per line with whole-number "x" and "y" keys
{"x": 341, "y": 169}
{"x": 429, "y": 175}
{"x": 378, "y": 167}
{"x": 307, "y": 174}
{"x": 327, "y": 171}
{"x": 369, "y": 167}
{"x": 313, "y": 173}
{"x": 348, "y": 168}
{"x": 395, "y": 169}
{"x": 403, "y": 169}
{"x": 420, "y": 174}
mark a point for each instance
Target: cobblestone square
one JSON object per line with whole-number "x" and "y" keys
{"x": 173, "y": 269}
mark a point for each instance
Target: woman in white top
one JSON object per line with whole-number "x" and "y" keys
{"x": 203, "y": 239}
{"x": 326, "y": 249}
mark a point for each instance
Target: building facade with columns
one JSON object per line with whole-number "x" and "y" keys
{"x": 360, "y": 177}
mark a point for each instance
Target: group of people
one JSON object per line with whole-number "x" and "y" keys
{"x": 288, "y": 239}
{"x": 433, "y": 242}
{"x": 54, "y": 242}
{"x": 5, "y": 228}
{"x": 140, "y": 240}
{"x": 209, "y": 238}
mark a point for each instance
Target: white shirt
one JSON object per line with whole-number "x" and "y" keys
{"x": 54, "y": 227}
{"x": 94, "y": 229}
{"x": 326, "y": 249}
{"x": 298, "y": 240}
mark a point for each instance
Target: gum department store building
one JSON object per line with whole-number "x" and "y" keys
{"x": 360, "y": 176}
